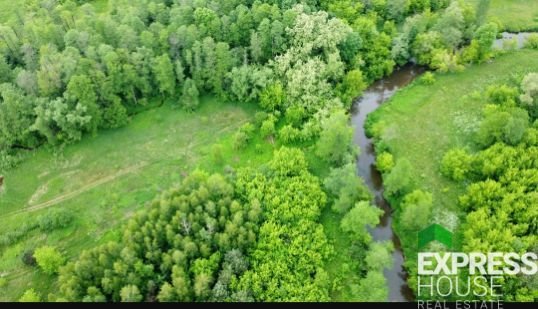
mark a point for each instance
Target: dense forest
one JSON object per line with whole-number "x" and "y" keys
{"x": 68, "y": 72}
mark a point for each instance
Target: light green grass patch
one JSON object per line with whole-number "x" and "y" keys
{"x": 513, "y": 15}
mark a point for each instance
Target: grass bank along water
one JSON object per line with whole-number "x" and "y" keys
{"x": 423, "y": 121}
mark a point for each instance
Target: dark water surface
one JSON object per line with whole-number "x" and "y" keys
{"x": 372, "y": 98}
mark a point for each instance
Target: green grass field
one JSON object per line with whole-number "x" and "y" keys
{"x": 104, "y": 179}
{"x": 422, "y": 122}
{"x": 513, "y": 15}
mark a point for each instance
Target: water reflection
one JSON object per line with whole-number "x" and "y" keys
{"x": 373, "y": 97}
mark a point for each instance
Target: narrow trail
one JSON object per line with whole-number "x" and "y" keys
{"x": 79, "y": 191}
{"x": 128, "y": 170}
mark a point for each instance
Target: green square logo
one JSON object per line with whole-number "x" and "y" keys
{"x": 434, "y": 232}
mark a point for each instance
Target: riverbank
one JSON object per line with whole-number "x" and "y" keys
{"x": 422, "y": 122}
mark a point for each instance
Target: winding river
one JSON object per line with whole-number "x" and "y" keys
{"x": 372, "y": 98}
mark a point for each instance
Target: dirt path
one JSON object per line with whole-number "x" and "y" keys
{"x": 77, "y": 192}
{"x": 110, "y": 178}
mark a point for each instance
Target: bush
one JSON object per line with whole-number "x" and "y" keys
{"x": 243, "y": 136}
{"x": 8, "y": 160}
{"x": 49, "y": 259}
{"x": 289, "y": 134}
{"x": 502, "y": 94}
{"x": 30, "y": 296}
{"x": 28, "y": 258}
{"x": 427, "y": 78}
{"x": 385, "y": 162}
{"x": 268, "y": 127}
{"x": 456, "y": 164}
{"x": 55, "y": 219}
{"x": 15, "y": 235}
{"x": 416, "y": 210}
{"x": 240, "y": 140}
{"x": 260, "y": 117}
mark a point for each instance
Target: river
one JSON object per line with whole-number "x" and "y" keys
{"x": 520, "y": 39}
{"x": 372, "y": 98}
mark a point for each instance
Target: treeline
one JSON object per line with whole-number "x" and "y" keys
{"x": 68, "y": 71}
{"x": 502, "y": 180}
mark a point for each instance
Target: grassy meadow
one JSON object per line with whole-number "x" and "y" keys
{"x": 513, "y": 15}
{"x": 102, "y": 180}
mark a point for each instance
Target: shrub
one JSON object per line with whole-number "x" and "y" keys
{"x": 55, "y": 219}
{"x": 416, "y": 210}
{"x": 456, "y": 164}
{"x": 502, "y": 94}
{"x": 289, "y": 134}
{"x": 49, "y": 259}
{"x": 268, "y": 127}
{"x": 260, "y": 117}
{"x": 30, "y": 296}
{"x": 385, "y": 162}
{"x": 427, "y": 78}
{"x": 28, "y": 258}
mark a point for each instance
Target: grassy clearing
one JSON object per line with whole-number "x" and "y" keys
{"x": 513, "y": 15}
{"x": 422, "y": 122}
{"x": 104, "y": 179}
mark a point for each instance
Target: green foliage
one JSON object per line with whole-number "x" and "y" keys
{"x": 346, "y": 187}
{"x": 373, "y": 288}
{"x": 164, "y": 75}
{"x": 427, "y": 78}
{"x": 187, "y": 246}
{"x": 379, "y": 256}
{"x": 361, "y": 217}
{"x": 502, "y": 95}
{"x": 502, "y": 124}
{"x": 243, "y": 136}
{"x": 49, "y": 259}
{"x": 268, "y": 127}
{"x": 292, "y": 247}
{"x": 456, "y": 164}
{"x": 30, "y": 296}
{"x": 55, "y": 219}
{"x": 529, "y": 98}
{"x": 335, "y": 141}
{"x": 384, "y": 162}
{"x": 485, "y": 36}
{"x": 398, "y": 182}
{"x": 190, "y": 95}
{"x": 351, "y": 87}
{"x": 273, "y": 97}
{"x": 130, "y": 293}
{"x": 416, "y": 210}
